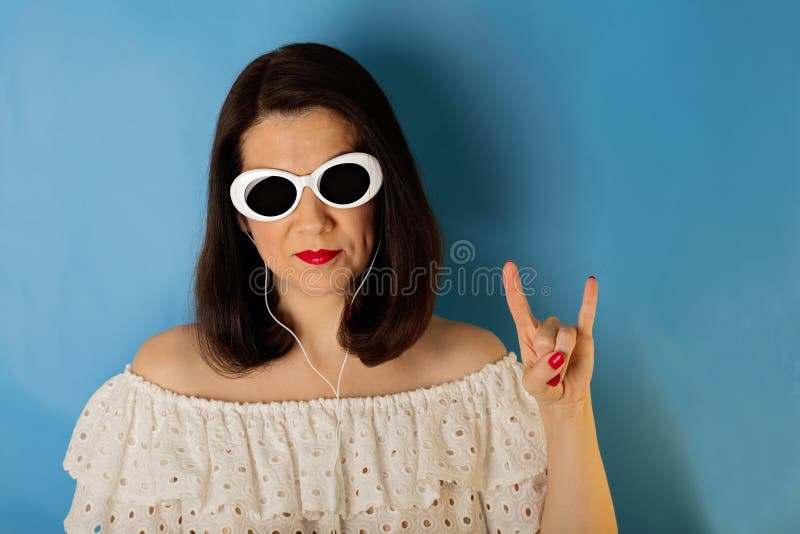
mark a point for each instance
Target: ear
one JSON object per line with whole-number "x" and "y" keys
{"x": 243, "y": 226}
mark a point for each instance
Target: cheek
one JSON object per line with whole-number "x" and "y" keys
{"x": 269, "y": 237}
{"x": 363, "y": 219}
{"x": 358, "y": 227}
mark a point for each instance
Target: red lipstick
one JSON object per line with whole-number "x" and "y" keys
{"x": 317, "y": 257}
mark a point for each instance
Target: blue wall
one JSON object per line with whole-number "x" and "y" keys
{"x": 654, "y": 145}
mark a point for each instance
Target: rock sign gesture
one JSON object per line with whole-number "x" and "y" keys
{"x": 558, "y": 358}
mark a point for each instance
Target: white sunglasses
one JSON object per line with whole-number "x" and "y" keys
{"x": 346, "y": 181}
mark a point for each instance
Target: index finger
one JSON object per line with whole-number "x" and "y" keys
{"x": 517, "y": 301}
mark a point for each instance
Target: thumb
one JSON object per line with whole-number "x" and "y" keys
{"x": 537, "y": 375}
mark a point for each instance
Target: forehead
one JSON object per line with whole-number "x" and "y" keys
{"x": 297, "y": 143}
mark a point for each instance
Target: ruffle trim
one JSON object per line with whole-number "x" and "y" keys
{"x": 141, "y": 443}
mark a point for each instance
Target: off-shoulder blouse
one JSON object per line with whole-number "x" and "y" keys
{"x": 462, "y": 456}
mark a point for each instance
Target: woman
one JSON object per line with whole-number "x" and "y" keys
{"x": 227, "y": 425}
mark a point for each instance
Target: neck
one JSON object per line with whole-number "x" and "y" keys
{"x": 316, "y": 320}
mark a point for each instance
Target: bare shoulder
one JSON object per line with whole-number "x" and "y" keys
{"x": 464, "y": 348}
{"x": 169, "y": 359}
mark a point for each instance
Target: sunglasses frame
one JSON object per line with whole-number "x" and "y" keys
{"x": 245, "y": 182}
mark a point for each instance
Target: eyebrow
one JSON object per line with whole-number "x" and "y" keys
{"x": 347, "y": 151}
{"x": 344, "y": 152}
{"x": 340, "y": 154}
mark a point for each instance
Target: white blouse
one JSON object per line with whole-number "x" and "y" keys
{"x": 463, "y": 456}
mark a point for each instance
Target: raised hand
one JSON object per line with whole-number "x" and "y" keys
{"x": 558, "y": 382}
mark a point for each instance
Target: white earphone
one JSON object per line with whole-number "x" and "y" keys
{"x": 339, "y": 381}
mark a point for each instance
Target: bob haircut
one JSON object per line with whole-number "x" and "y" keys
{"x": 234, "y": 331}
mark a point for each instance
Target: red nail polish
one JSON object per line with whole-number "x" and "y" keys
{"x": 555, "y": 380}
{"x": 592, "y": 276}
{"x": 556, "y": 360}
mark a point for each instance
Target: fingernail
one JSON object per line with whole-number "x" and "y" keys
{"x": 592, "y": 276}
{"x": 556, "y": 360}
{"x": 555, "y": 380}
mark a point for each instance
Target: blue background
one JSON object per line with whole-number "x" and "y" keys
{"x": 655, "y": 145}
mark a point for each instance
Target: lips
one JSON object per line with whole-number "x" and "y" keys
{"x": 317, "y": 257}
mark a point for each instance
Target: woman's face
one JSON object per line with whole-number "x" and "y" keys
{"x": 300, "y": 145}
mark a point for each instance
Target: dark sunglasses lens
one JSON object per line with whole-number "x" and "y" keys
{"x": 344, "y": 183}
{"x": 272, "y": 196}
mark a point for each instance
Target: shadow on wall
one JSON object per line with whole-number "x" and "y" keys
{"x": 642, "y": 444}
{"x": 643, "y": 449}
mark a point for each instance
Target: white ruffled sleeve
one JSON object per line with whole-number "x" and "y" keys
{"x": 508, "y": 506}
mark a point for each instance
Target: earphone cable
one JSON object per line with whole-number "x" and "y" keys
{"x": 334, "y": 503}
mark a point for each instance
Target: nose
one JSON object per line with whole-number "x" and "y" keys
{"x": 311, "y": 215}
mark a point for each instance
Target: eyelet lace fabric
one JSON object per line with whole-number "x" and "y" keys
{"x": 463, "y": 456}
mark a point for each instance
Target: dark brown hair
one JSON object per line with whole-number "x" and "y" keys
{"x": 234, "y": 330}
